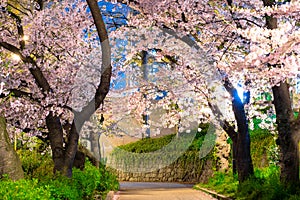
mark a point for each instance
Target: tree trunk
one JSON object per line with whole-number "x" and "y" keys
{"x": 64, "y": 152}
{"x": 287, "y": 126}
{"x": 288, "y": 130}
{"x": 242, "y": 148}
{"x": 10, "y": 163}
{"x": 234, "y": 156}
{"x": 56, "y": 142}
{"x": 241, "y": 139}
{"x": 145, "y": 78}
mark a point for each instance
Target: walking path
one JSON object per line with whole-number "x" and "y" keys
{"x": 159, "y": 191}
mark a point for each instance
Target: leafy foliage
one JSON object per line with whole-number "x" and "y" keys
{"x": 263, "y": 148}
{"x": 152, "y": 144}
{"x": 146, "y": 145}
{"x": 265, "y": 183}
{"x": 41, "y": 184}
{"x": 36, "y": 160}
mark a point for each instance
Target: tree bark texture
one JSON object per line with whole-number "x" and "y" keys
{"x": 287, "y": 126}
{"x": 288, "y": 134}
{"x": 241, "y": 157}
{"x": 10, "y": 163}
{"x": 241, "y": 140}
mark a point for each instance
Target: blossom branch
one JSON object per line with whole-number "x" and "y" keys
{"x": 35, "y": 70}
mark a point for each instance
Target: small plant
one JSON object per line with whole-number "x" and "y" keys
{"x": 40, "y": 183}
{"x": 263, "y": 185}
{"x": 223, "y": 183}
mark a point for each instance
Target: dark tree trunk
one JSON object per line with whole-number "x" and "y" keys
{"x": 145, "y": 77}
{"x": 234, "y": 156}
{"x": 241, "y": 139}
{"x": 243, "y": 157}
{"x": 63, "y": 157}
{"x": 63, "y": 153}
{"x": 241, "y": 161}
{"x": 56, "y": 142}
{"x": 288, "y": 134}
{"x": 10, "y": 163}
{"x": 287, "y": 126}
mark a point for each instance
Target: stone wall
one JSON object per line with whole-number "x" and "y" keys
{"x": 189, "y": 169}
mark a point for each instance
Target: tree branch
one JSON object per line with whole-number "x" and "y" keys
{"x": 20, "y": 93}
{"x": 106, "y": 68}
{"x": 19, "y": 28}
{"x": 35, "y": 70}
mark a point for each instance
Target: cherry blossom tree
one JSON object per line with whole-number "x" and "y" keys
{"x": 247, "y": 43}
{"x": 42, "y": 50}
{"x": 287, "y": 124}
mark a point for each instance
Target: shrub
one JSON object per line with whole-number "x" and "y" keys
{"x": 40, "y": 183}
{"x": 264, "y": 151}
{"x": 36, "y": 165}
{"x": 222, "y": 183}
{"x": 84, "y": 184}
{"x": 23, "y": 189}
{"x": 263, "y": 185}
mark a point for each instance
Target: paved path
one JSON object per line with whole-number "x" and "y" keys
{"x": 159, "y": 191}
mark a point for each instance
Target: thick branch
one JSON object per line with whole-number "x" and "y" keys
{"x": 101, "y": 92}
{"x": 20, "y": 93}
{"x": 106, "y": 69}
{"x": 19, "y": 28}
{"x": 35, "y": 70}
{"x": 229, "y": 129}
{"x": 238, "y": 24}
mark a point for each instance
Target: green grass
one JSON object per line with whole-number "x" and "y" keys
{"x": 147, "y": 145}
{"x": 263, "y": 148}
{"x": 40, "y": 183}
{"x": 265, "y": 183}
{"x": 222, "y": 183}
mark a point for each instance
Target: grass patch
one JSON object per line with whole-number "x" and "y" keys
{"x": 40, "y": 183}
{"x": 265, "y": 183}
{"x": 222, "y": 183}
{"x": 147, "y": 145}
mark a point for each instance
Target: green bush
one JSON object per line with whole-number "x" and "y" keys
{"x": 263, "y": 185}
{"x": 147, "y": 145}
{"x": 263, "y": 148}
{"x": 40, "y": 183}
{"x": 222, "y": 183}
{"x": 36, "y": 165}
{"x": 23, "y": 189}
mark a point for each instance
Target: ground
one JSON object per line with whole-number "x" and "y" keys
{"x": 159, "y": 191}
